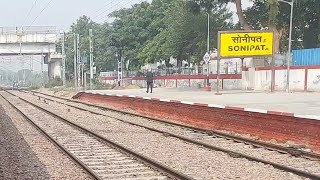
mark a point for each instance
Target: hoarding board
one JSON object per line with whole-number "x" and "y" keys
{"x": 245, "y": 44}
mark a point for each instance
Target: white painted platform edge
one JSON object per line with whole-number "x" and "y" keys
{"x": 307, "y": 116}
{"x": 187, "y": 102}
{"x": 262, "y": 111}
{"x": 256, "y": 110}
{"x": 216, "y": 106}
{"x": 164, "y": 100}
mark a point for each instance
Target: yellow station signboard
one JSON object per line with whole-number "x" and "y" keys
{"x": 245, "y": 44}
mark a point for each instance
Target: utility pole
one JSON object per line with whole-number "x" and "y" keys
{"x": 289, "y": 49}
{"x": 75, "y": 62}
{"x": 290, "y": 43}
{"x": 63, "y": 61}
{"x": 23, "y": 71}
{"x": 20, "y": 41}
{"x": 85, "y": 82}
{"x": 119, "y": 60}
{"x": 82, "y": 74}
{"x": 122, "y": 70}
{"x": 31, "y": 70}
{"x": 78, "y": 61}
{"x": 208, "y": 38}
{"x": 42, "y": 61}
{"x": 91, "y": 58}
{"x": 208, "y": 49}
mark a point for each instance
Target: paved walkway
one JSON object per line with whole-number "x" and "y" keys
{"x": 298, "y": 103}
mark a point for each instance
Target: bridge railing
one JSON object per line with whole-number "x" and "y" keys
{"x": 29, "y": 30}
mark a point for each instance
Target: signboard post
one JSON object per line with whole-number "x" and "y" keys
{"x": 241, "y": 44}
{"x": 206, "y": 59}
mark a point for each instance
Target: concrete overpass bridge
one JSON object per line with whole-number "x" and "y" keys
{"x": 34, "y": 40}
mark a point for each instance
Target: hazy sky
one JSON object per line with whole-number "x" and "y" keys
{"x": 59, "y": 13}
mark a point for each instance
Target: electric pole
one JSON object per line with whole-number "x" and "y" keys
{"x": 42, "y": 61}
{"x": 63, "y": 62}
{"x": 82, "y": 74}
{"x": 23, "y": 71}
{"x": 120, "y": 68}
{"x": 31, "y": 70}
{"x": 78, "y": 61}
{"x": 75, "y": 62}
{"x": 91, "y": 58}
{"x": 208, "y": 50}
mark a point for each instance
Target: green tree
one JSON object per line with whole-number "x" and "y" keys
{"x": 103, "y": 54}
{"x": 305, "y": 22}
{"x": 274, "y": 15}
{"x": 273, "y": 12}
{"x": 149, "y": 32}
{"x": 134, "y": 27}
{"x": 185, "y": 32}
{"x": 309, "y": 22}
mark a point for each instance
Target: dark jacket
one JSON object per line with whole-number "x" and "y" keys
{"x": 149, "y": 77}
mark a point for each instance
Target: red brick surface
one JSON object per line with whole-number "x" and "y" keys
{"x": 265, "y": 126}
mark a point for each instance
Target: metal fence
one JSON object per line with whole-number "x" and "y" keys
{"x": 225, "y": 68}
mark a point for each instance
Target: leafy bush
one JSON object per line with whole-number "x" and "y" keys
{"x": 97, "y": 85}
{"x": 34, "y": 87}
{"x": 54, "y": 83}
{"x": 102, "y": 86}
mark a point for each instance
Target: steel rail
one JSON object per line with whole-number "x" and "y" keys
{"x": 74, "y": 158}
{"x": 153, "y": 164}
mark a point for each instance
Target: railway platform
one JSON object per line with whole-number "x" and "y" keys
{"x": 298, "y": 104}
{"x": 283, "y": 117}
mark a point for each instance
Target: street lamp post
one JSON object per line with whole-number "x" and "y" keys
{"x": 208, "y": 48}
{"x": 290, "y": 44}
{"x": 208, "y": 37}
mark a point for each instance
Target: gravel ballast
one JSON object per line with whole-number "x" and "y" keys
{"x": 17, "y": 161}
{"x": 37, "y": 157}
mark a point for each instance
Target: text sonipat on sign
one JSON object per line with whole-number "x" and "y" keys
{"x": 246, "y": 44}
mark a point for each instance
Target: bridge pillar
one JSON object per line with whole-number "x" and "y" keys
{"x": 54, "y": 66}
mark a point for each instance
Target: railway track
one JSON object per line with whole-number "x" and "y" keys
{"x": 100, "y": 157}
{"x": 299, "y": 162}
{"x": 256, "y": 143}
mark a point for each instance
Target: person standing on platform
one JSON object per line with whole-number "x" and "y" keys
{"x": 149, "y": 81}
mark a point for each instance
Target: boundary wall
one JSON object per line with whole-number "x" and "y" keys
{"x": 302, "y": 78}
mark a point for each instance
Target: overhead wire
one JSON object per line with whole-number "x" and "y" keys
{"x": 110, "y": 8}
{"x": 94, "y": 12}
{"x": 106, "y": 10}
{"x": 26, "y": 18}
{"x": 33, "y": 6}
{"x": 49, "y": 2}
{"x": 44, "y": 8}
